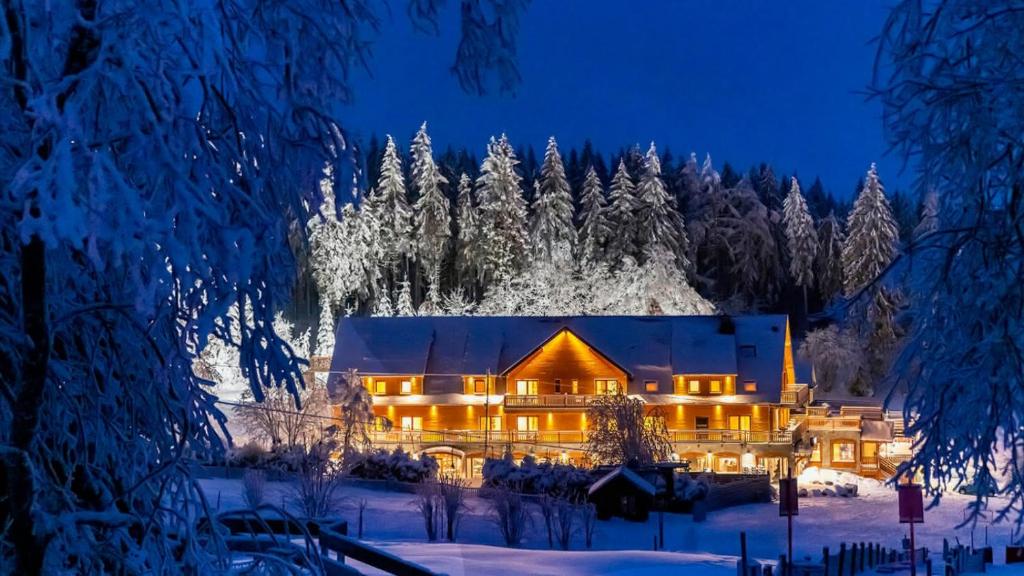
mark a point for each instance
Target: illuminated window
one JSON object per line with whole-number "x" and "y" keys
{"x": 380, "y": 387}
{"x": 406, "y": 386}
{"x": 412, "y": 423}
{"x": 716, "y": 387}
{"x": 607, "y": 386}
{"x": 575, "y": 386}
{"x": 750, "y": 386}
{"x": 495, "y": 423}
{"x": 843, "y": 452}
{"x": 526, "y": 387}
{"x": 739, "y": 423}
{"x": 694, "y": 387}
{"x": 479, "y": 386}
{"x": 651, "y": 385}
{"x": 526, "y": 423}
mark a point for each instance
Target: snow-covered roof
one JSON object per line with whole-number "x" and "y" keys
{"x": 626, "y": 474}
{"x": 646, "y": 347}
{"x": 876, "y": 430}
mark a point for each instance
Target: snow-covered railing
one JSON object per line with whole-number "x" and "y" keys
{"x": 834, "y": 423}
{"x": 795, "y": 394}
{"x": 567, "y": 438}
{"x": 732, "y": 436}
{"x": 549, "y": 401}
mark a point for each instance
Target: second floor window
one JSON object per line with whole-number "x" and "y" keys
{"x": 739, "y": 423}
{"x": 412, "y": 423}
{"x": 651, "y": 385}
{"x": 749, "y": 386}
{"x": 607, "y": 386}
{"x": 380, "y": 387}
{"x": 694, "y": 387}
{"x": 479, "y": 386}
{"x": 406, "y": 386}
{"x": 526, "y": 387}
{"x": 716, "y": 387}
{"x": 701, "y": 423}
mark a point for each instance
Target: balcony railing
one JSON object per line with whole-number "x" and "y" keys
{"x": 796, "y": 394}
{"x": 514, "y": 401}
{"x": 834, "y": 423}
{"x": 568, "y": 438}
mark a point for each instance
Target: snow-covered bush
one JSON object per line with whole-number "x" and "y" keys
{"x": 248, "y": 455}
{"x": 511, "y": 514}
{"x": 557, "y": 480}
{"x": 317, "y": 481}
{"x": 431, "y": 509}
{"x": 398, "y": 465}
{"x": 691, "y": 489}
{"x": 254, "y": 483}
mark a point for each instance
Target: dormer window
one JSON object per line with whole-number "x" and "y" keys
{"x": 749, "y": 386}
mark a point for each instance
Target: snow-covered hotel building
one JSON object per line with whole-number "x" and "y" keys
{"x": 462, "y": 388}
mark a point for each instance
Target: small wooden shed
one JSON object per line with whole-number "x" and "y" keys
{"x": 622, "y": 492}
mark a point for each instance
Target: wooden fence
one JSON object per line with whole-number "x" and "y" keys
{"x": 250, "y": 531}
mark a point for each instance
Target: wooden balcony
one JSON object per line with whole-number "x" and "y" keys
{"x": 548, "y": 401}
{"x": 834, "y": 423}
{"x": 796, "y": 394}
{"x": 572, "y": 439}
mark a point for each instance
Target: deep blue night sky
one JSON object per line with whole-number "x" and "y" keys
{"x": 745, "y": 81}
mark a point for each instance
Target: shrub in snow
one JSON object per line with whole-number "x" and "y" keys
{"x": 690, "y": 489}
{"x": 510, "y": 514}
{"x": 253, "y": 484}
{"x": 557, "y": 480}
{"x": 317, "y": 481}
{"x": 565, "y": 522}
{"x": 398, "y": 465}
{"x": 247, "y": 455}
{"x": 588, "y": 520}
{"x": 430, "y": 507}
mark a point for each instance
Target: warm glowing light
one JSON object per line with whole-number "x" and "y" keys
{"x": 433, "y": 410}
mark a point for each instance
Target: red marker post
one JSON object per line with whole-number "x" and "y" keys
{"x": 788, "y": 507}
{"x": 911, "y": 512}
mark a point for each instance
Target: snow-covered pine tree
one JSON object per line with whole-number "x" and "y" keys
{"x": 801, "y": 238}
{"x": 433, "y": 223}
{"x": 623, "y": 211}
{"x": 404, "y": 306}
{"x": 467, "y": 252}
{"x": 382, "y": 303}
{"x": 503, "y": 237}
{"x": 345, "y": 256}
{"x": 929, "y": 221}
{"x": 390, "y": 203}
{"x": 828, "y": 264}
{"x": 709, "y": 177}
{"x": 325, "y": 332}
{"x": 594, "y": 229}
{"x": 872, "y": 235}
{"x": 552, "y": 222}
{"x": 661, "y": 226}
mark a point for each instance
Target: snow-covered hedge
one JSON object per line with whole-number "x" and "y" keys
{"x": 398, "y": 465}
{"x": 560, "y": 480}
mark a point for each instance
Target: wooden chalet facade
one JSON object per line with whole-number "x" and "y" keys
{"x": 465, "y": 388}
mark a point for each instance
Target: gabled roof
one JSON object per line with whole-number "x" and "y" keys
{"x": 626, "y": 474}
{"x": 527, "y": 356}
{"x": 646, "y": 347}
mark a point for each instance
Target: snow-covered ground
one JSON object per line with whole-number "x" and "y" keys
{"x": 392, "y": 522}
